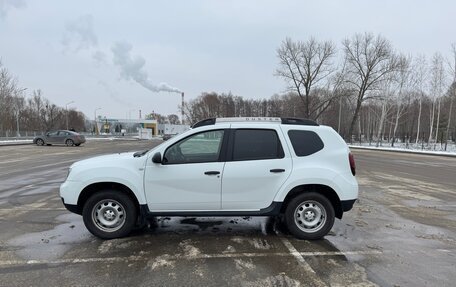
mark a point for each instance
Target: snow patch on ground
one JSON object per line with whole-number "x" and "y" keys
{"x": 243, "y": 264}
{"x": 190, "y": 251}
{"x": 258, "y": 243}
{"x": 229, "y": 249}
{"x": 161, "y": 261}
{"x": 107, "y": 246}
{"x": 15, "y": 141}
{"x": 272, "y": 281}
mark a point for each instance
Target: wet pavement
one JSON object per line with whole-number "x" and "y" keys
{"x": 402, "y": 232}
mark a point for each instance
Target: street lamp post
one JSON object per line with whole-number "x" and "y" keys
{"x": 95, "y": 119}
{"x": 67, "y": 113}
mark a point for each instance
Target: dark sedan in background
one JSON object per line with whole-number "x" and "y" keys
{"x": 65, "y": 137}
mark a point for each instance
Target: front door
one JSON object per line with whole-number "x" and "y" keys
{"x": 189, "y": 178}
{"x": 52, "y": 137}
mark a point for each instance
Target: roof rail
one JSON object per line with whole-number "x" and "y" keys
{"x": 285, "y": 121}
{"x": 298, "y": 121}
{"x": 206, "y": 122}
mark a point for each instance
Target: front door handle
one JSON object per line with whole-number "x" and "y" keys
{"x": 212, "y": 172}
{"x": 276, "y": 170}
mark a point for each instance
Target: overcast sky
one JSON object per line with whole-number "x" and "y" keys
{"x": 117, "y": 54}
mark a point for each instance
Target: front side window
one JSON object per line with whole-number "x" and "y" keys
{"x": 256, "y": 144}
{"x": 201, "y": 147}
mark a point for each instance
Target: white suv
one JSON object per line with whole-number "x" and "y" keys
{"x": 221, "y": 167}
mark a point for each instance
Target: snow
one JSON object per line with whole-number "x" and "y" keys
{"x": 15, "y": 141}
{"x": 451, "y": 149}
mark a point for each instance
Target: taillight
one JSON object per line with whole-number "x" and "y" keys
{"x": 351, "y": 159}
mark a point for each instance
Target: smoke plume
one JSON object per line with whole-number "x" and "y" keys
{"x": 132, "y": 68}
{"x": 79, "y": 33}
{"x": 6, "y": 5}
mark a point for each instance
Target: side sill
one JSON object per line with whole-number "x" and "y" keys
{"x": 271, "y": 210}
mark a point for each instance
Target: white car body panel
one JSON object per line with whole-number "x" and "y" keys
{"x": 120, "y": 168}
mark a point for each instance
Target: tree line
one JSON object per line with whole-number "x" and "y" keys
{"x": 364, "y": 89}
{"x": 22, "y": 115}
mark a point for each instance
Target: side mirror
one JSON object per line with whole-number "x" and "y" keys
{"x": 157, "y": 158}
{"x": 47, "y": 134}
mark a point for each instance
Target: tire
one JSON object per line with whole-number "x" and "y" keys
{"x": 69, "y": 142}
{"x": 40, "y": 142}
{"x": 309, "y": 216}
{"x": 109, "y": 214}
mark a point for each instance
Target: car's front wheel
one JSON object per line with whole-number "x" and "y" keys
{"x": 309, "y": 215}
{"x": 109, "y": 214}
{"x": 39, "y": 142}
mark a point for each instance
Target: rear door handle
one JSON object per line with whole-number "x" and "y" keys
{"x": 276, "y": 170}
{"x": 212, "y": 172}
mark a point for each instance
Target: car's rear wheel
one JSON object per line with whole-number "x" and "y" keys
{"x": 309, "y": 215}
{"x": 69, "y": 142}
{"x": 109, "y": 214}
{"x": 39, "y": 142}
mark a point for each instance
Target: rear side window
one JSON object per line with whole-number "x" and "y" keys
{"x": 305, "y": 142}
{"x": 251, "y": 144}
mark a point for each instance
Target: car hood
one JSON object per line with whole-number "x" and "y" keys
{"x": 108, "y": 159}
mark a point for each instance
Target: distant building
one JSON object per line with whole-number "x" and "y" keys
{"x": 118, "y": 126}
{"x": 169, "y": 129}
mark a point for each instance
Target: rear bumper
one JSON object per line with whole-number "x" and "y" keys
{"x": 347, "y": 205}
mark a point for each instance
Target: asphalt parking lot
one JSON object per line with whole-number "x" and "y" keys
{"x": 402, "y": 232}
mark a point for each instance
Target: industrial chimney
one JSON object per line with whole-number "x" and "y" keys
{"x": 182, "y": 108}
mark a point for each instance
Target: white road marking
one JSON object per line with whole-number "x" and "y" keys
{"x": 41, "y": 166}
{"x": 31, "y": 209}
{"x": 298, "y": 256}
{"x": 423, "y": 206}
{"x": 144, "y": 257}
{"x": 22, "y": 209}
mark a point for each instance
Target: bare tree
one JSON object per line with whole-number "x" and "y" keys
{"x": 452, "y": 90}
{"x": 420, "y": 70}
{"x": 370, "y": 59}
{"x": 404, "y": 83}
{"x": 437, "y": 83}
{"x": 305, "y": 66}
{"x": 173, "y": 119}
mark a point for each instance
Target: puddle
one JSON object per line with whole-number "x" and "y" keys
{"x": 52, "y": 244}
{"x": 217, "y": 225}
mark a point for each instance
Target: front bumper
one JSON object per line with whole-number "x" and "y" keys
{"x": 72, "y": 207}
{"x": 69, "y": 191}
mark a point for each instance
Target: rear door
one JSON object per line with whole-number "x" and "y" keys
{"x": 63, "y": 136}
{"x": 258, "y": 164}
